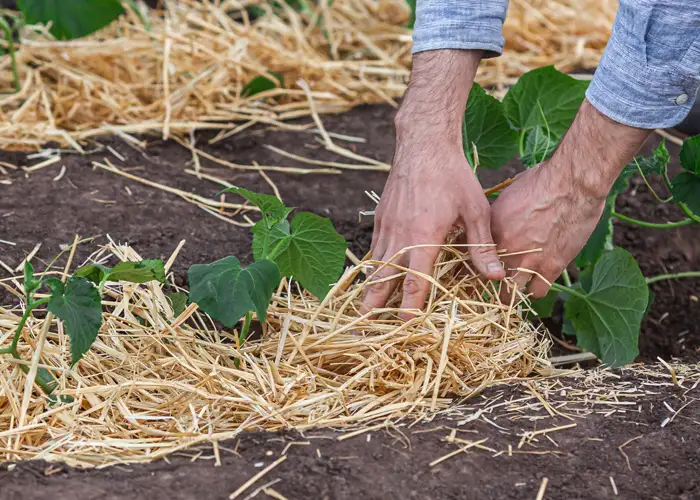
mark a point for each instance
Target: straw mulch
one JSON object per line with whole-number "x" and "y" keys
{"x": 153, "y": 383}
{"x": 188, "y": 72}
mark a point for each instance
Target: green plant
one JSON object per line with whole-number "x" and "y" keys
{"x": 308, "y": 249}
{"x": 66, "y": 20}
{"x": 605, "y": 307}
{"x": 78, "y": 303}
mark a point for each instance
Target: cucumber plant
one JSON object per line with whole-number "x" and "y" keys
{"x": 78, "y": 303}
{"x": 308, "y": 249}
{"x": 604, "y": 308}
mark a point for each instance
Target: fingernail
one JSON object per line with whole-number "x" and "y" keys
{"x": 494, "y": 267}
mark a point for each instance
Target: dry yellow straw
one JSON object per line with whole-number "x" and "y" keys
{"x": 154, "y": 383}
{"x": 189, "y": 71}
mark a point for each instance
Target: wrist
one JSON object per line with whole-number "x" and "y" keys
{"x": 593, "y": 153}
{"x": 437, "y": 93}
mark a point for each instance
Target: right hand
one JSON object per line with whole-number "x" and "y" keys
{"x": 430, "y": 190}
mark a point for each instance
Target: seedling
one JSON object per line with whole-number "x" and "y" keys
{"x": 309, "y": 250}
{"x": 605, "y": 307}
{"x": 78, "y": 303}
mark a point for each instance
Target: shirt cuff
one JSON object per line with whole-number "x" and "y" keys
{"x": 460, "y": 25}
{"x": 628, "y": 90}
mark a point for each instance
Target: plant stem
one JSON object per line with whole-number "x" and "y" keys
{"x": 521, "y": 144}
{"x": 23, "y": 321}
{"x": 566, "y": 289}
{"x": 11, "y": 49}
{"x": 565, "y": 276}
{"x": 673, "y": 276}
{"x": 246, "y": 326}
{"x": 12, "y": 350}
{"x": 654, "y": 225}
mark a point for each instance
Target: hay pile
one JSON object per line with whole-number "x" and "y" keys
{"x": 154, "y": 383}
{"x": 189, "y": 71}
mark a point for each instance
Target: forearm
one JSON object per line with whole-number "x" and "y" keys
{"x": 437, "y": 94}
{"x": 594, "y": 151}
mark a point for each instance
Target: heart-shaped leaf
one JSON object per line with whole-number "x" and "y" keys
{"x": 226, "y": 291}
{"x": 607, "y": 312}
{"x": 690, "y": 155}
{"x": 544, "y": 97}
{"x": 686, "y": 189}
{"x": 71, "y": 19}
{"x": 313, "y": 252}
{"x": 486, "y": 127}
{"x": 78, "y": 304}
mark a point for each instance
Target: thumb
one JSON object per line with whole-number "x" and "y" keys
{"x": 484, "y": 254}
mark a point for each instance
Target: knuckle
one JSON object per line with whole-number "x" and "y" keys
{"x": 412, "y": 285}
{"x": 478, "y": 212}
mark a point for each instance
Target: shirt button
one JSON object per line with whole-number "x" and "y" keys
{"x": 682, "y": 99}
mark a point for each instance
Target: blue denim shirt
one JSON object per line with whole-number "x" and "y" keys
{"x": 649, "y": 74}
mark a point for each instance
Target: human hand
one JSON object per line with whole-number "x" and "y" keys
{"x": 555, "y": 206}
{"x": 431, "y": 187}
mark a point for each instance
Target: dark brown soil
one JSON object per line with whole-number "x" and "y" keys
{"x": 88, "y": 201}
{"x": 579, "y": 463}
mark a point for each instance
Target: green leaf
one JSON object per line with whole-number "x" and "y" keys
{"x": 654, "y": 164}
{"x": 686, "y": 189}
{"x": 270, "y": 242}
{"x": 486, "y": 126}
{"x": 134, "y": 272}
{"x": 544, "y": 307}
{"x": 178, "y": 301}
{"x": 607, "y": 316}
{"x": 539, "y": 146}
{"x": 93, "y": 272}
{"x": 47, "y": 379}
{"x": 262, "y": 83}
{"x": 226, "y": 291}
{"x": 78, "y": 305}
{"x": 138, "y": 272}
{"x": 71, "y": 19}
{"x": 273, "y": 210}
{"x": 542, "y": 97}
{"x": 30, "y": 283}
{"x": 690, "y": 155}
{"x": 315, "y": 255}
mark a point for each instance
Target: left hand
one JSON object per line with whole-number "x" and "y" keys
{"x": 540, "y": 211}
{"x": 556, "y": 205}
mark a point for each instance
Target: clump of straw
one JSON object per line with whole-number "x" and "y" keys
{"x": 154, "y": 383}
{"x": 188, "y": 72}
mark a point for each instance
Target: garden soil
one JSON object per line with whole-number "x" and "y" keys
{"x": 579, "y": 463}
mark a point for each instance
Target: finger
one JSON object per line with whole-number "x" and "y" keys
{"x": 484, "y": 256}
{"x": 416, "y": 288}
{"x": 380, "y": 289}
{"x": 375, "y": 235}
{"x": 538, "y": 287}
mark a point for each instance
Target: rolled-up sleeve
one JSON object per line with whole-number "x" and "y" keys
{"x": 650, "y": 72}
{"x": 460, "y": 24}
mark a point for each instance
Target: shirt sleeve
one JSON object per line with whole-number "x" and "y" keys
{"x": 650, "y": 72}
{"x": 460, "y": 24}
